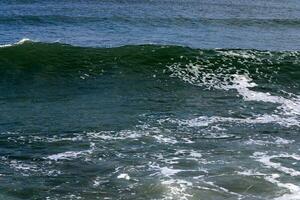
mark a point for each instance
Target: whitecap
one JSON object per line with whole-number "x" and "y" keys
{"x": 124, "y": 176}
{"x": 69, "y": 155}
{"x": 22, "y": 41}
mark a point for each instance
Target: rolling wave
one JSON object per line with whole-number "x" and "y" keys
{"x": 249, "y": 105}
{"x": 262, "y": 76}
{"x": 212, "y": 67}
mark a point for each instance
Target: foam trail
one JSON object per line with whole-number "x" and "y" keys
{"x": 267, "y": 161}
{"x": 242, "y": 83}
{"x": 286, "y": 114}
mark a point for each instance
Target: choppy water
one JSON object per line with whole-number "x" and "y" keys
{"x": 151, "y": 121}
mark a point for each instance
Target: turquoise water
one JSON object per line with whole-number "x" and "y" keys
{"x": 135, "y": 100}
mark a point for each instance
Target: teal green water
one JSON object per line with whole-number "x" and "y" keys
{"x": 145, "y": 99}
{"x": 148, "y": 122}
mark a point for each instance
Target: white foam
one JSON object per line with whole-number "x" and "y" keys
{"x": 251, "y": 173}
{"x": 96, "y": 183}
{"x": 124, "y": 176}
{"x": 110, "y": 135}
{"x": 103, "y": 135}
{"x": 287, "y": 112}
{"x": 294, "y": 195}
{"x": 169, "y": 171}
{"x": 70, "y": 196}
{"x": 163, "y": 139}
{"x": 266, "y": 160}
{"x": 223, "y": 189}
{"x": 69, "y": 155}
{"x": 242, "y": 54}
{"x": 292, "y": 188}
{"x": 274, "y": 141}
{"x": 205, "y": 121}
{"x": 55, "y": 138}
{"x": 196, "y": 154}
{"x": 272, "y": 178}
{"x": 23, "y": 166}
{"x": 176, "y": 189}
{"x": 242, "y": 83}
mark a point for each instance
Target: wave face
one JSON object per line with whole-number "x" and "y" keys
{"x": 55, "y": 58}
{"x": 148, "y": 122}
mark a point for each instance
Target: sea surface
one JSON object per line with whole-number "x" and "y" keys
{"x": 145, "y": 99}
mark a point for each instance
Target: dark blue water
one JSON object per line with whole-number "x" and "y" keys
{"x": 202, "y": 24}
{"x": 172, "y": 100}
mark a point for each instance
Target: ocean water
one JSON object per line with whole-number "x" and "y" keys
{"x": 173, "y": 100}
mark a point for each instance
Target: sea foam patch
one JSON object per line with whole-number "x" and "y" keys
{"x": 266, "y": 159}
{"x": 230, "y": 77}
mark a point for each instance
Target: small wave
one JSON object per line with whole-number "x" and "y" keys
{"x": 22, "y": 41}
{"x": 70, "y": 155}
